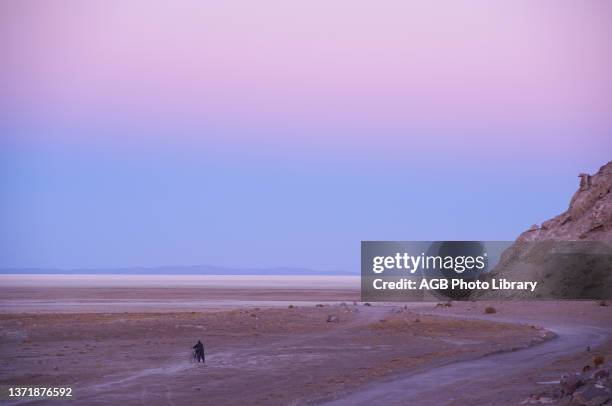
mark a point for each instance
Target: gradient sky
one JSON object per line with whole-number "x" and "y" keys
{"x": 276, "y": 133}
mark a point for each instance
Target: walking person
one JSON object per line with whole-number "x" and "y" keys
{"x": 199, "y": 351}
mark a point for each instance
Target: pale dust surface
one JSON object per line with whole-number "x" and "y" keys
{"x": 128, "y": 340}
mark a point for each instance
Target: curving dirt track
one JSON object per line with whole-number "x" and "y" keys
{"x": 132, "y": 346}
{"x": 274, "y": 356}
{"x": 479, "y": 381}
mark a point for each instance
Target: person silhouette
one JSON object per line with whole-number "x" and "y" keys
{"x": 199, "y": 351}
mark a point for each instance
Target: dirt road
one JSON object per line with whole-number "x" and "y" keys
{"x": 479, "y": 381}
{"x": 274, "y": 356}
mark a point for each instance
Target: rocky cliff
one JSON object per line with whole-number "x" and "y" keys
{"x": 589, "y": 216}
{"x": 570, "y": 255}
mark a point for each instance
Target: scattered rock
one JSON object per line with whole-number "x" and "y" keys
{"x": 367, "y": 304}
{"x": 537, "y": 398}
{"x": 570, "y": 382}
{"x": 319, "y": 305}
{"x": 490, "y": 310}
{"x": 598, "y": 360}
{"x": 557, "y": 393}
{"x": 603, "y": 303}
{"x": 333, "y": 319}
{"x": 592, "y": 395}
{"x": 581, "y": 389}
{"x": 601, "y": 373}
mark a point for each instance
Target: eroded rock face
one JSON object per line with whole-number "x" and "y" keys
{"x": 589, "y": 216}
{"x": 570, "y": 256}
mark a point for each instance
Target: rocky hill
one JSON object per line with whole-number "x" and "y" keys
{"x": 570, "y": 255}
{"x": 589, "y": 216}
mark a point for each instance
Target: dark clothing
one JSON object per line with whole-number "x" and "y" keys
{"x": 199, "y": 351}
{"x": 199, "y": 347}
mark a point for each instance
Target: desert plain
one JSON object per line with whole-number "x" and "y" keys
{"x": 281, "y": 341}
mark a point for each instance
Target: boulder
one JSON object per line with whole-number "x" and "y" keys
{"x": 570, "y": 382}
{"x": 333, "y": 319}
{"x": 592, "y": 394}
{"x": 601, "y": 373}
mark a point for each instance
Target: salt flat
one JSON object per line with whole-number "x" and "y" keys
{"x": 127, "y": 338}
{"x": 169, "y": 281}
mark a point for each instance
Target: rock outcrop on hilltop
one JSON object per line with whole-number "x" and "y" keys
{"x": 570, "y": 256}
{"x": 589, "y": 216}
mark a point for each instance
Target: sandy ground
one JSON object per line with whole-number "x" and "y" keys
{"x": 132, "y": 345}
{"x": 265, "y": 356}
{"x": 507, "y": 377}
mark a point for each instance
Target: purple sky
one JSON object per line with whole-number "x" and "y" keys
{"x": 274, "y": 133}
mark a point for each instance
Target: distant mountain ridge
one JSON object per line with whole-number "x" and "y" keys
{"x": 176, "y": 270}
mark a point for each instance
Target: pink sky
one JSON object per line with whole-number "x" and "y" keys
{"x": 394, "y": 65}
{"x": 143, "y": 132}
